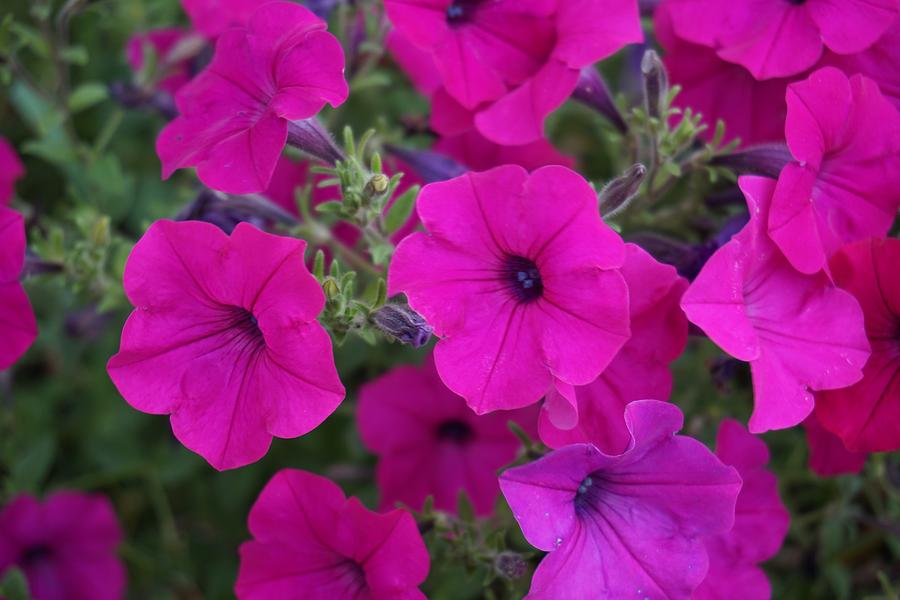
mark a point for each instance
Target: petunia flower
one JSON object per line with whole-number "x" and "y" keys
{"x": 752, "y": 110}
{"x": 235, "y": 116}
{"x": 866, "y": 415}
{"x": 460, "y": 139}
{"x": 641, "y": 368}
{"x": 514, "y": 61}
{"x": 11, "y": 170}
{"x": 629, "y": 525}
{"x": 519, "y": 276}
{"x": 18, "y": 327}
{"x": 779, "y": 38}
{"x": 310, "y": 542}
{"x": 827, "y": 454}
{"x": 224, "y": 338}
{"x": 760, "y": 522}
{"x": 799, "y": 332}
{"x": 845, "y": 183}
{"x": 430, "y": 444}
{"x": 65, "y": 546}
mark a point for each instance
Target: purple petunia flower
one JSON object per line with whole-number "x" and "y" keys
{"x": 624, "y": 526}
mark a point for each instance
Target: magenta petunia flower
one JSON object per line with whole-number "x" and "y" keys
{"x": 235, "y": 116}
{"x": 752, "y": 110}
{"x": 845, "y": 185}
{"x": 311, "y": 542}
{"x": 798, "y": 332}
{"x": 65, "y": 546}
{"x": 18, "y": 327}
{"x": 779, "y": 38}
{"x": 213, "y": 17}
{"x": 639, "y": 371}
{"x": 430, "y": 443}
{"x": 760, "y": 522}
{"x": 827, "y": 454}
{"x": 514, "y": 61}
{"x": 866, "y": 416}
{"x": 519, "y": 276}
{"x": 224, "y": 338}
{"x": 163, "y": 42}
{"x": 630, "y": 525}
{"x": 11, "y": 170}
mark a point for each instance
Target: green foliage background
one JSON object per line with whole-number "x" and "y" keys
{"x": 91, "y": 189}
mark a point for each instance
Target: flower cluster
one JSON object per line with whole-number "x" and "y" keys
{"x": 559, "y": 306}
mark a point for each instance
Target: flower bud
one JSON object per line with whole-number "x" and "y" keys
{"x": 377, "y": 185}
{"x": 764, "y": 159}
{"x": 331, "y": 289}
{"x": 311, "y": 137}
{"x": 618, "y": 192}
{"x": 510, "y": 565}
{"x": 429, "y": 166}
{"x": 591, "y": 90}
{"x": 402, "y": 323}
{"x": 656, "y": 83}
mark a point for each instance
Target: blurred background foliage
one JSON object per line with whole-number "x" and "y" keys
{"x": 93, "y": 186}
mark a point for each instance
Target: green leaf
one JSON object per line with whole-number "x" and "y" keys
{"x": 14, "y": 586}
{"x": 401, "y": 209}
{"x": 76, "y": 55}
{"x": 464, "y": 508}
{"x": 87, "y": 95}
{"x": 330, "y": 207}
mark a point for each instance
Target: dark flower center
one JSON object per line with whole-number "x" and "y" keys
{"x": 36, "y": 554}
{"x": 796, "y": 2}
{"x": 522, "y": 277}
{"x": 587, "y": 492}
{"x": 461, "y": 11}
{"x": 455, "y": 430}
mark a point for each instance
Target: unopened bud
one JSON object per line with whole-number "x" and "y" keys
{"x": 510, "y": 565}
{"x": 331, "y": 289}
{"x": 311, "y": 137}
{"x": 591, "y": 90}
{"x": 377, "y": 185}
{"x": 656, "y": 83}
{"x": 403, "y": 324}
{"x": 429, "y": 166}
{"x": 765, "y": 159}
{"x": 618, "y": 192}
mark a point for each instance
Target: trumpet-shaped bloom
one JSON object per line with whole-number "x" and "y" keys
{"x": 11, "y": 170}
{"x": 514, "y": 61}
{"x": 798, "y": 332}
{"x": 866, "y": 416}
{"x": 18, "y": 327}
{"x": 640, "y": 369}
{"x": 760, "y": 522}
{"x": 430, "y": 444}
{"x": 778, "y": 38}
{"x": 224, "y": 338}
{"x": 65, "y": 546}
{"x": 233, "y": 117}
{"x": 629, "y": 525}
{"x": 311, "y": 542}
{"x": 752, "y": 110}
{"x": 519, "y": 276}
{"x": 845, "y": 185}
{"x": 827, "y": 454}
